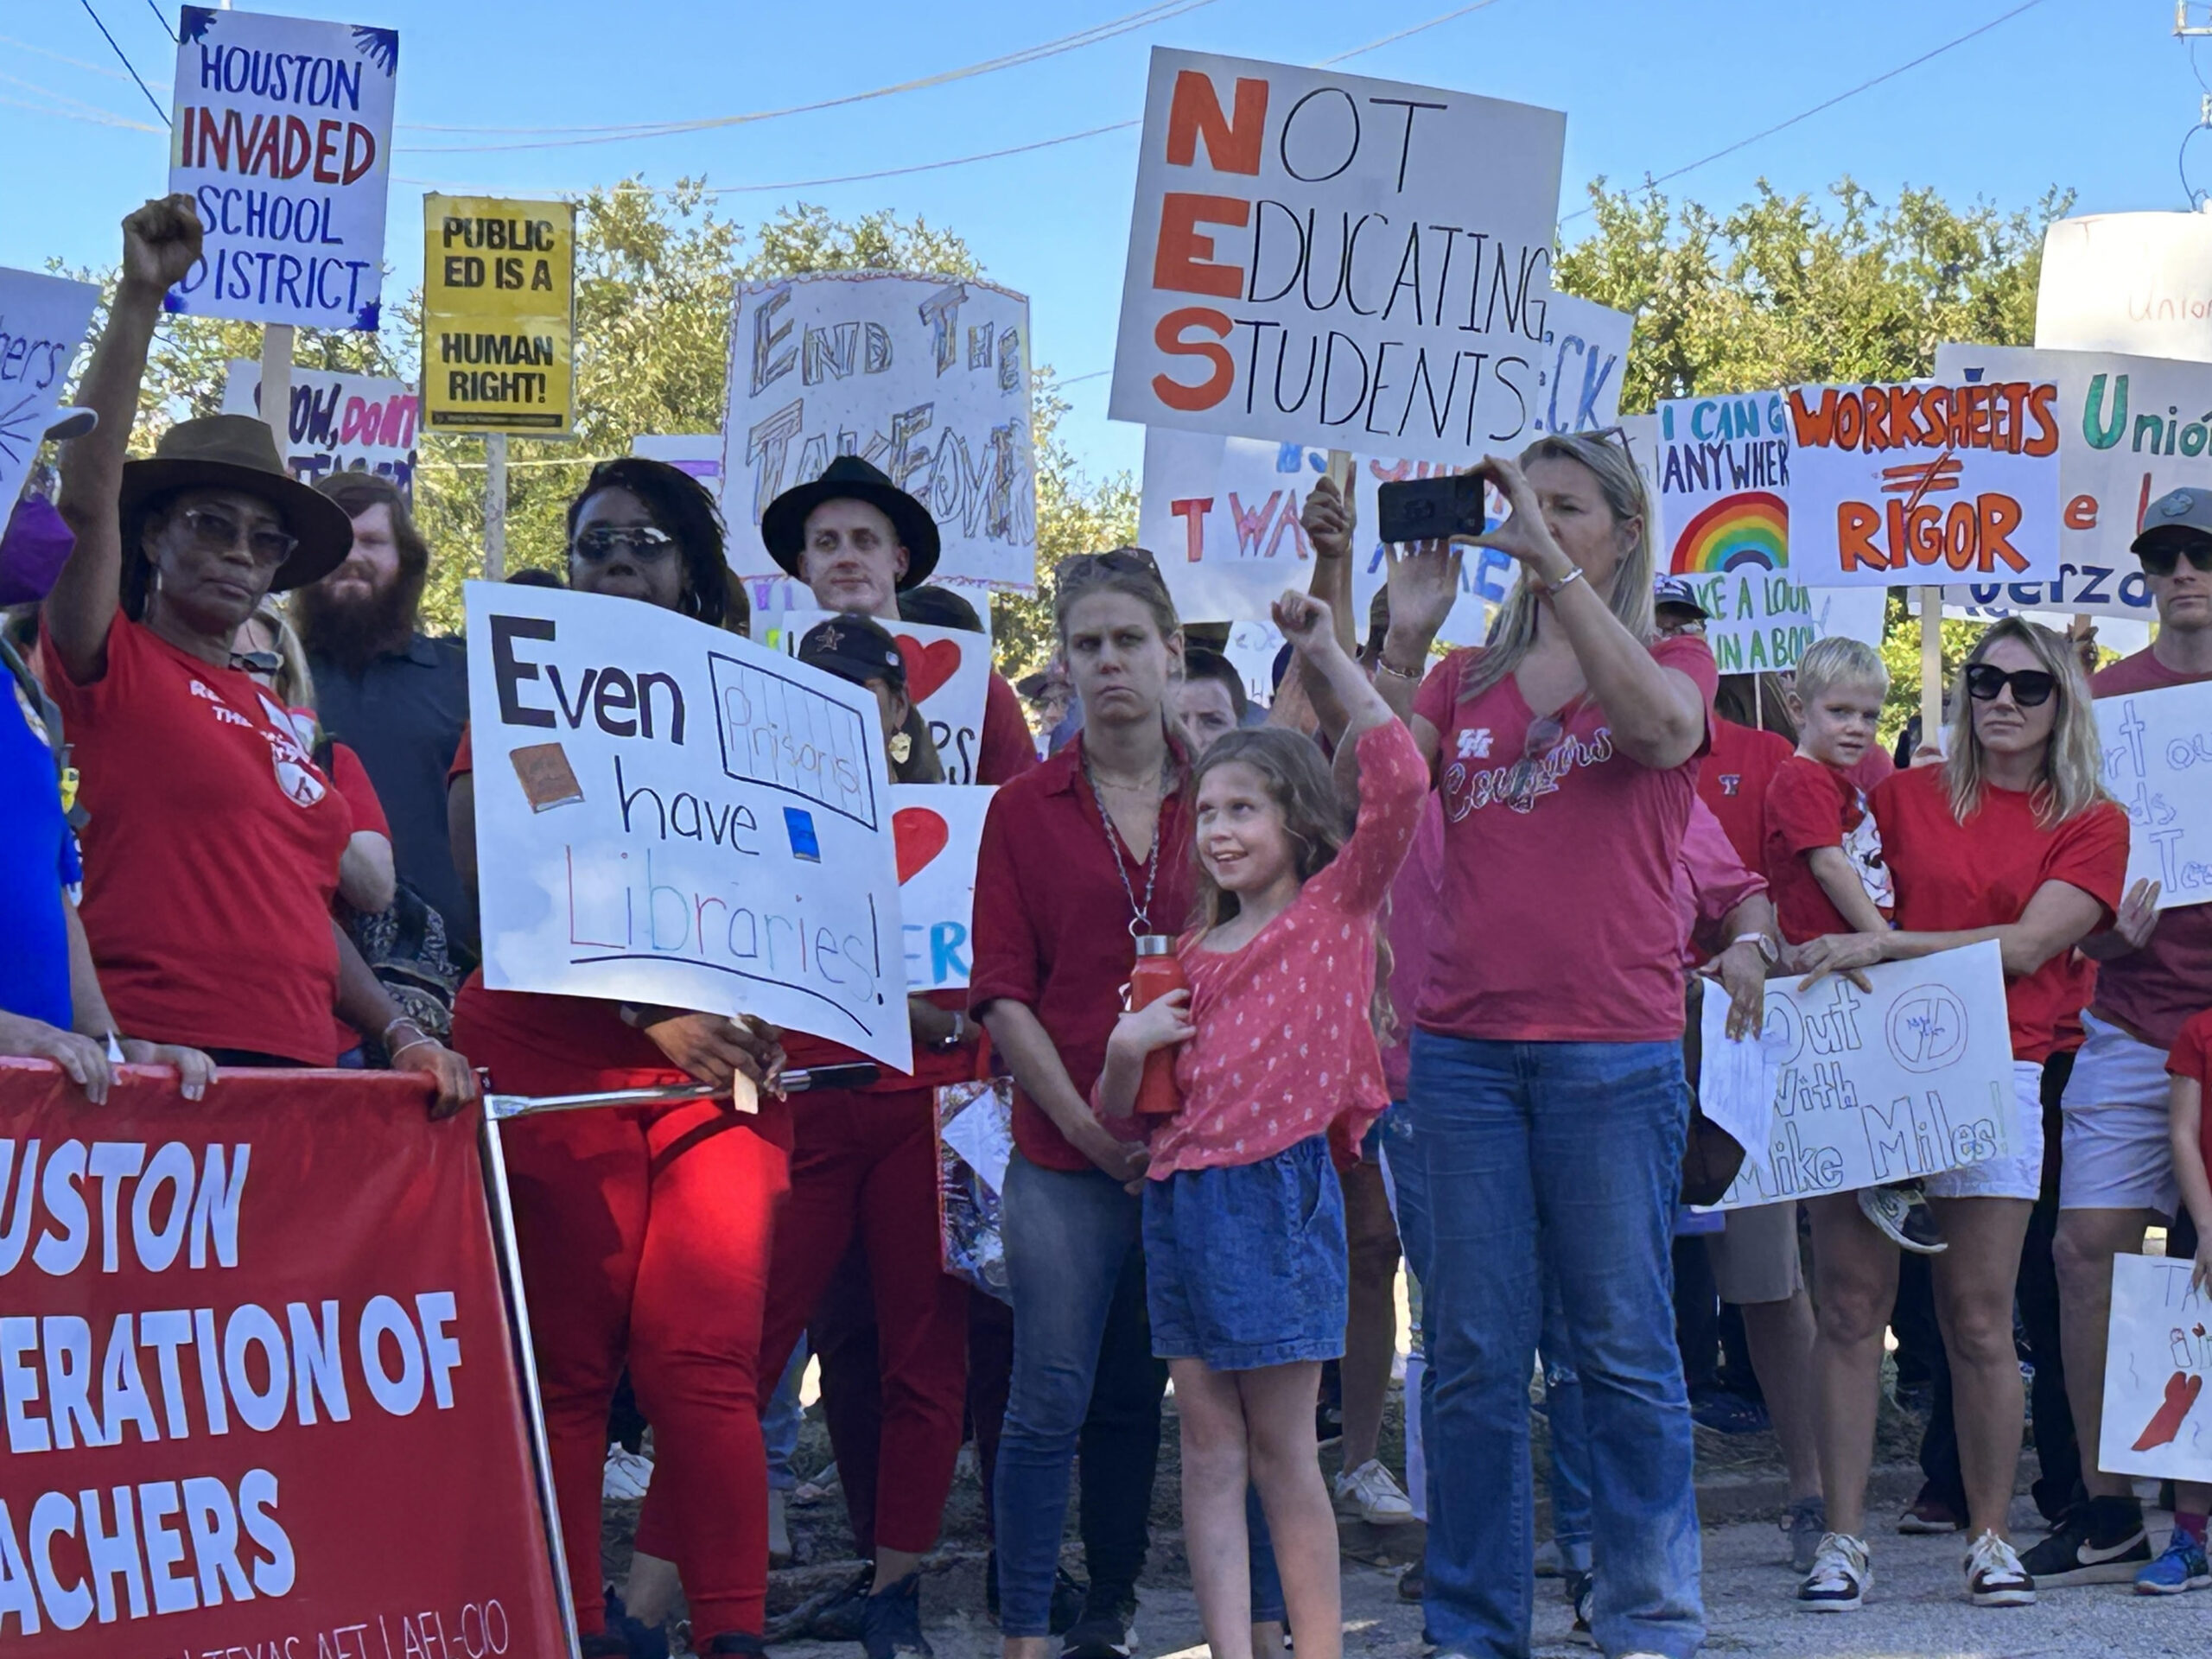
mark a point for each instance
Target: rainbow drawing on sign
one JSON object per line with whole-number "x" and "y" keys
{"x": 1747, "y": 530}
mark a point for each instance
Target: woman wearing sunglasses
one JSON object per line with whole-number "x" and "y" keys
{"x": 2010, "y": 838}
{"x": 213, "y": 843}
{"x": 1566, "y": 755}
{"x": 644, "y": 1232}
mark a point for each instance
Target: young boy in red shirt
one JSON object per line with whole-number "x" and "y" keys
{"x": 1824, "y": 855}
{"x": 2184, "y": 1566}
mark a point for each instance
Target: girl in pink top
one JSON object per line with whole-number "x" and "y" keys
{"x": 1243, "y": 1220}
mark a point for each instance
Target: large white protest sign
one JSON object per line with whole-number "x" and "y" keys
{"x": 699, "y": 454}
{"x": 1913, "y": 1077}
{"x": 1724, "y": 524}
{"x": 2137, "y": 282}
{"x": 667, "y": 813}
{"x": 1932, "y": 482}
{"x": 2158, "y": 764}
{"x": 924, "y": 376}
{"x": 1322, "y": 259}
{"x": 1222, "y": 516}
{"x": 282, "y": 135}
{"x": 937, "y": 829}
{"x": 2130, "y": 428}
{"x": 338, "y": 423}
{"x": 43, "y": 322}
{"x": 948, "y": 678}
{"x": 2157, "y": 1359}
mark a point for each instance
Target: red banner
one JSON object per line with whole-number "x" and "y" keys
{"x": 260, "y": 1398}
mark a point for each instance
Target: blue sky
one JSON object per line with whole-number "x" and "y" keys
{"x": 2092, "y": 94}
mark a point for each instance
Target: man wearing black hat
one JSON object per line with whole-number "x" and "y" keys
{"x": 858, "y": 540}
{"x": 2116, "y": 1172}
{"x": 211, "y": 850}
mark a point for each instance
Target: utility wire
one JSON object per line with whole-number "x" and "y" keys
{"x": 127, "y": 64}
{"x": 162, "y": 17}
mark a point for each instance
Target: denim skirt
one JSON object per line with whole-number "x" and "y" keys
{"x": 1244, "y": 1263}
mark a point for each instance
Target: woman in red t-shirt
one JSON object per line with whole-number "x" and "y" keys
{"x": 213, "y": 846}
{"x": 2011, "y": 838}
{"x": 1547, "y": 1093}
{"x": 644, "y": 1232}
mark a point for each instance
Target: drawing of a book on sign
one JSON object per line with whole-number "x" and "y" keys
{"x": 548, "y": 780}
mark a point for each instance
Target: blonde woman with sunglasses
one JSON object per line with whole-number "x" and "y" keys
{"x": 2011, "y": 839}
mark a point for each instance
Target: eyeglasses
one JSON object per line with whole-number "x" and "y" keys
{"x": 642, "y": 542}
{"x": 1521, "y": 783}
{"x": 214, "y": 531}
{"x": 2032, "y": 687}
{"x": 2162, "y": 560}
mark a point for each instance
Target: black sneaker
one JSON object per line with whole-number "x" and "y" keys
{"x": 1106, "y": 1630}
{"x": 736, "y": 1642}
{"x": 1412, "y": 1583}
{"x": 2101, "y": 1542}
{"x": 1581, "y": 1588}
{"x": 1901, "y": 1214}
{"x": 891, "y": 1622}
{"x": 1070, "y": 1596}
{"x": 843, "y": 1617}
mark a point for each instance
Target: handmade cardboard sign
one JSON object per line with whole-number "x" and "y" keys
{"x": 948, "y": 677}
{"x": 1723, "y": 488}
{"x": 2127, "y": 282}
{"x": 2157, "y": 1359}
{"x": 498, "y": 315}
{"x": 668, "y": 813}
{"x": 281, "y": 133}
{"x": 338, "y": 423}
{"x": 1320, "y": 258}
{"x": 1938, "y": 482}
{"x": 43, "y": 322}
{"x": 937, "y": 830}
{"x": 1913, "y": 1077}
{"x": 925, "y": 377}
{"x": 2130, "y": 428}
{"x": 2158, "y": 764}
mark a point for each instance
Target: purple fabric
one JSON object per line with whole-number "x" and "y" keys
{"x": 32, "y": 551}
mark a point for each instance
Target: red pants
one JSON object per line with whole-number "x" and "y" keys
{"x": 865, "y": 1164}
{"x": 643, "y": 1234}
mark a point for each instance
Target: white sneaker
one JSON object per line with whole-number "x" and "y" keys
{"x": 1995, "y": 1576}
{"x": 1367, "y": 1493}
{"x": 1840, "y": 1577}
{"x": 628, "y": 1474}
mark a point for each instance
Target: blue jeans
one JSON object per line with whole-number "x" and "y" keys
{"x": 1556, "y": 1161}
{"x": 1072, "y": 1241}
{"x": 779, "y": 1416}
{"x": 1569, "y": 1439}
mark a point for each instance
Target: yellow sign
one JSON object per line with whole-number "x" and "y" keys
{"x": 499, "y": 316}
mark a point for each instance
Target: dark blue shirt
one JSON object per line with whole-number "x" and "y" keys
{"x": 404, "y": 715}
{"x": 38, "y": 858}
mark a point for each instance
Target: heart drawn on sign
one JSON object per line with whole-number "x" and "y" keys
{"x": 919, "y": 835}
{"x": 928, "y": 667}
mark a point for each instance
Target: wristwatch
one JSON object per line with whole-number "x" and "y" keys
{"x": 1769, "y": 952}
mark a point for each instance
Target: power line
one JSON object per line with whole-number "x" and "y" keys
{"x": 1828, "y": 104}
{"x": 162, "y": 17}
{"x": 1162, "y": 11}
{"x": 127, "y": 64}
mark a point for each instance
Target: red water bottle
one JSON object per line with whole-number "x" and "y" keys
{"x": 1158, "y": 971}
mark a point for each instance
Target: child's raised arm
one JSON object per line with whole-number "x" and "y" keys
{"x": 1310, "y": 627}
{"x": 1831, "y": 868}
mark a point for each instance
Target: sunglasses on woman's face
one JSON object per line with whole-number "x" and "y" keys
{"x": 2032, "y": 687}
{"x": 642, "y": 542}
{"x": 2162, "y": 560}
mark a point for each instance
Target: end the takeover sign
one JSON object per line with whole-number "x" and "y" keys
{"x": 1325, "y": 259}
{"x": 255, "y": 1377}
{"x": 282, "y": 135}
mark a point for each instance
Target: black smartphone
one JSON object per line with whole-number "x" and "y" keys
{"x": 1430, "y": 509}
{"x": 857, "y": 1076}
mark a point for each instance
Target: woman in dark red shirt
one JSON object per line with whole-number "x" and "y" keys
{"x": 1547, "y": 1093}
{"x": 644, "y": 1232}
{"x": 2011, "y": 838}
{"x": 212, "y": 847}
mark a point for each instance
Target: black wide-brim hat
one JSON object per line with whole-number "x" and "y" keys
{"x": 238, "y": 452}
{"x": 783, "y": 526}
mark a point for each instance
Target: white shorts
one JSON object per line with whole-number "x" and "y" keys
{"x": 2017, "y": 1174}
{"x": 2116, "y": 1154}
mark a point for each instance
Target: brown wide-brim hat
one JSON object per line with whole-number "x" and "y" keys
{"x": 236, "y": 452}
{"x": 783, "y": 526}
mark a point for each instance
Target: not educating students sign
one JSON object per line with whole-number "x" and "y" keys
{"x": 1326, "y": 259}
{"x": 259, "y": 1390}
{"x": 282, "y": 135}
